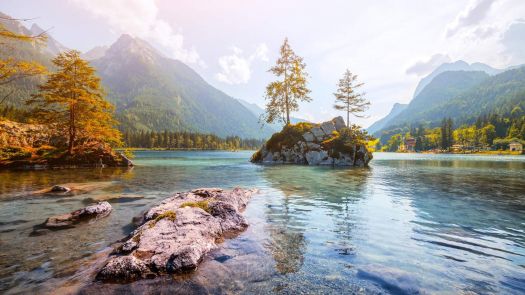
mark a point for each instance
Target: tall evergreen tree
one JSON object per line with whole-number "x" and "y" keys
{"x": 347, "y": 97}
{"x": 73, "y": 101}
{"x": 285, "y": 94}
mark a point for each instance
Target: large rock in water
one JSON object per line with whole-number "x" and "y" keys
{"x": 309, "y": 148}
{"x": 177, "y": 233}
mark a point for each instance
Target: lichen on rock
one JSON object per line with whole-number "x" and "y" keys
{"x": 328, "y": 143}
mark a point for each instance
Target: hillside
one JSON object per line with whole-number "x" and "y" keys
{"x": 380, "y": 124}
{"x": 156, "y": 93}
{"x": 258, "y": 111}
{"x": 442, "y": 88}
{"x": 452, "y": 67}
{"x": 151, "y": 92}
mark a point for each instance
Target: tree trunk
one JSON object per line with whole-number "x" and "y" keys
{"x": 348, "y": 119}
{"x": 72, "y": 129}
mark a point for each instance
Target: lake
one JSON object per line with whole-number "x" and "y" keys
{"x": 408, "y": 224}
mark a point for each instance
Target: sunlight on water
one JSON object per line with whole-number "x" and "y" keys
{"x": 411, "y": 223}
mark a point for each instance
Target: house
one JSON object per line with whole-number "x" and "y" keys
{"x": 410, "y": 144}
{"x": 515, "y": 147}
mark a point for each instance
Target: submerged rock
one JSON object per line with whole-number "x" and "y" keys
{"x": 59, "y": 189}
{"x": 329, "y": 143}
{"x": 177, "y": 233}
{"x": 95, "y": 211}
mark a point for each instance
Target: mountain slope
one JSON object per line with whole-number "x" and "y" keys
{"x": 441, "y": 89}
{"x": 455, "y": 66}
{"x": 153, "y": 92}
{"x": 53, "y": 47}
{"x": 380, "y": 124}
{"x": 95, "y": 52}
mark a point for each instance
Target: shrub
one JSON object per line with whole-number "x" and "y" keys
{"x": 256, "y": 157}
{"x": 289, "y": 136}
{"x": 14, "y": 153}
{"x": 344, "y": 141}
{"x": 204, "y": 205}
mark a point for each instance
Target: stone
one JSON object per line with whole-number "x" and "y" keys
{"x": 318, "y": 133}
{"x": 339, "y": 123}
{"x": 313, "y": 146}
{"x": 95, "y": 211}
{"x": 328, "y": 127}
{"x": 308, "y": 137}
{"x": 174, "y": 236}
{"x": 59, "y": 189}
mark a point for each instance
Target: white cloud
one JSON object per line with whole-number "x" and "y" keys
{"x": 514, "y": 42}
{"x": 421, "y": 68}
{"x": 472, "y": 15}
{"x": 140, "y": 18}
{"x": 236, "y": 67}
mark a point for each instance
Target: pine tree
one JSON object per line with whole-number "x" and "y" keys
{"x": 72, "y": 100}
{"x": 284, "y": 95}
{"x": 348, "y": 99}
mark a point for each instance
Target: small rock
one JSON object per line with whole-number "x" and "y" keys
{"x": 99, "y": 210}
{"x": 59, "y": 189}
{"x": 318, "y": 133}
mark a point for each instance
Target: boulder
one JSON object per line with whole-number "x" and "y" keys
{"x": 308, "y": 137}
{"x": 177, "y": 233}
{"x": 328, "y": 127}
{"x": 95, "y": 211}
{"x": 339, "y": 123}
{"x": 318, "y": 133}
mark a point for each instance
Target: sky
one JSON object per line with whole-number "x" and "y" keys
{"x": 389, "y": 44}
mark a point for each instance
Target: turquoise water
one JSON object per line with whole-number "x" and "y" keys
{"x": 409, "y": 224}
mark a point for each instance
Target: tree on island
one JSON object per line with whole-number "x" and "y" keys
{"x": 284, "y": 95}
{"x": 12, "y": 69}
{"x": 72, "y": 101}
{"x": 348, "y": 99}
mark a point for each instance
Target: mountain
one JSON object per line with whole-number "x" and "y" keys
{"x": 258, "y": 111}
{"x": 156, "y": 93}
{"x": 52, "y": 47}
{"x": 455, "y": 66}
{"x": 443, "y": 87}
{"x": 95, "y": 52}
{"x": 378, "y": 125}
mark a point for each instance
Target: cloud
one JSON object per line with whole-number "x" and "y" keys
{"x": 421, "y": 68}
{"x": 140, "y": 18}
{"x": 514, "y": 42}
{"x": 472, "y": 15}
{"x": 236, "y": 67}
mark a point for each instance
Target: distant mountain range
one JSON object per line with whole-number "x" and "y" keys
{"x": 460, "y": 91}
{"x": 151, "y": 91}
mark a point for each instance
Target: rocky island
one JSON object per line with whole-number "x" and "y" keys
{"x": 35, "y": 146}
{"x": 327, "y": 143}
{"x": 175, "y": 235}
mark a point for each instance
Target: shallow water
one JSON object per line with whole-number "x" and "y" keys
{"x": 409, "y": 224}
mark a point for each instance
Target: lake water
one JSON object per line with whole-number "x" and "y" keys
{"x": 409, "y": 224}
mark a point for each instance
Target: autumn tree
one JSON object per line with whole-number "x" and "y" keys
{"x": 12, "y": 69}
{"x": 348, "y": 98}
{"x": 284, "y": 95}
{"x": 73, "y": 101}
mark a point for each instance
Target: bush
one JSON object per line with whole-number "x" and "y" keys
{"x": 290, "y": 135}
{"x": 344, "y": 141}
{"x": 14, "y": 153}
